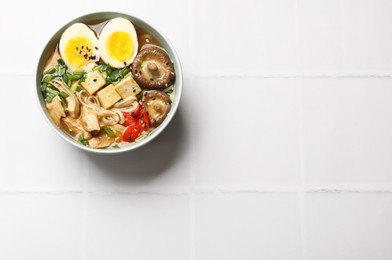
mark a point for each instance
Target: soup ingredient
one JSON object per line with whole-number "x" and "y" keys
{"x": 157, "y": 105}
{"x": 82, "y": 140}
{"x": 126, "y": 102}
{"x": 153, "y": 68}
{"x": 118, "y": 43}
{"x": 56, "y": 110}
{"x": 127, "y": 87}
{"x": 136, "y": 123}
{"x": 93, "y": 82}
{"x": 72, "y": 100}
{"x": 108, "y": 96}
{"x": 132, "y": 132}
{"x": 108, "y": 131}
{"x": 89, "y": 119}
{"x": 112, "y": 75}
{"x": 73, "y": 127}
{"x": 102, "y": 140}
{"x": 78, "y": 47}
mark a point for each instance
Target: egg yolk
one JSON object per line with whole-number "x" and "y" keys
{"x": 120, "y": 46}
{"x": 78, "y": 50}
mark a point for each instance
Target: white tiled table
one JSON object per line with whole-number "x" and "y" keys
{"x": 281, "y": 148}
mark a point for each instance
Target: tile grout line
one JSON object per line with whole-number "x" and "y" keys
{"x": 85, "y": 194}
{"x": 304, "y": 190}
{"x": 302, "y": 203}
{"x": 192, "y": 207}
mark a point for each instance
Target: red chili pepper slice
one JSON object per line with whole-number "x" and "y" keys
{"x": 144, "y": 120}
{"x": 132, "y": 132}
{"x": 128, "y": 119}
{"x": 140, "y": 116}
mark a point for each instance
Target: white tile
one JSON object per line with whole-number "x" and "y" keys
{"x": 349, "y": 226}
{"x": 248, "y": 226}
{"x": 244, "y": 37}
{"x": 347, "y": 132}
{"x": 349, "y": 36}
{"x": 320, "y": 47}
{"x": 27, "y": 27}
{"x": 40, "y": 226}
{"x": 33, "y": 155}
{"x": 246, "y": 132}
{"x": 137, "y": 226}
{"x": 163, "y": 163}
{"x": 169, "y": 17}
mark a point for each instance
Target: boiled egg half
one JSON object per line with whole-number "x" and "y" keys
{"x": 79, "y": 47}
{"x": 118, "y": 43}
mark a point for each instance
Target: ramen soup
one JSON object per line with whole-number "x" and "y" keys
{"x": 108, "y": 83}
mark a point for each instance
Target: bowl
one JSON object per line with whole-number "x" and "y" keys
{"x": 51, "y": 45}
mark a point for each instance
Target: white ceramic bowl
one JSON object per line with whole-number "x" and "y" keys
{"x": 50, "y": 46}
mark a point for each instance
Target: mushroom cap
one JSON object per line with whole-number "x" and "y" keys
{"x": 157, "y": 105}
{"x": 153, "y": 68}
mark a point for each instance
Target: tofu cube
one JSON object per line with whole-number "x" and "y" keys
{"x": 108, "y": 96}
{"x": 127, "y": 87}
{"x": 93, "y": 83}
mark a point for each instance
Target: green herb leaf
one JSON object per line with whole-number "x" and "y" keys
{"x": 43, "y": 86}
{"x": 65, "y": 78}
{"x": 61, "y": 70}
{"x": 98, "y": 67}
{"x": 116, "y": 146}
{"x": 61, "y": 62}
{"x": 50, "y": 71}
{"x": 82, "y": 140}
{"x": 140, "y": 95}
{"x": 47, "y": 78}
{"x": 108, "y": 131}
{"x": 124, "y": 71}
{"x": 49, "y": 97}
{"x": 63, "y": 94}
{"x": 169, "y": 90}
{"x": 52, "y": 91}
{"x": 76, "y": 76}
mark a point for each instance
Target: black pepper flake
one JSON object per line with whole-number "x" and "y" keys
{"x": 96, "y": 47}
{"x": 85, "y": 56}
{"x": 95, "y": 80}
{"x": 77, "y": 48}
{"x": 82, "y": 47}
{"x": 153, "y": 98}
{"x": 80, "y": 52}
{"x": 151, "y": 79}
{"x": 125, "y": 63}
{"x": 134, "y": 90}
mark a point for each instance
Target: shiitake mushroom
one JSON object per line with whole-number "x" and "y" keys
{"x": 153, "y": 68}
{"x": 157, "y": 105}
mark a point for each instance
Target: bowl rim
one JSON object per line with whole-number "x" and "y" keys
{"x": 159, "y": 129}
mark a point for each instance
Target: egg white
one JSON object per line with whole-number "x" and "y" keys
{"x": 79, "y": 30}
{"x": 117, "y": 25}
